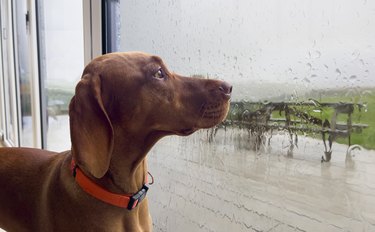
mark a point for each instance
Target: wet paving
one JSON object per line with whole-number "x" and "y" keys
{"x": 226, "y": 185}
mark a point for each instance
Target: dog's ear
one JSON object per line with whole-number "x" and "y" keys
{"x": 90, "y": 127}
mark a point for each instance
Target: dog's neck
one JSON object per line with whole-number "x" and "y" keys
{"x": 128, "y": 167}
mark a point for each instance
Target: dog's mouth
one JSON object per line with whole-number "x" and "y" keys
{"x": 210, "y": 115}
{"x": 213, "y": 113}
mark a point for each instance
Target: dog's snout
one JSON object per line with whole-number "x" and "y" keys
{"x": 226, "y": 89}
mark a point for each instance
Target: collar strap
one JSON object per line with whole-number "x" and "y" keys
{"x": 119, "y": 200}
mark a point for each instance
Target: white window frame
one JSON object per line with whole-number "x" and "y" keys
{"x": 92, "y": 29}
{"x": 8, "y": 69}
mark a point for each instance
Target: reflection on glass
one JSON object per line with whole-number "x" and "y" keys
{"x": 296, "y": 148}
{"x": 61, "y": 51}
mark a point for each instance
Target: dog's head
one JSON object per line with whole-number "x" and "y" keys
{"x": 136, "y": 92}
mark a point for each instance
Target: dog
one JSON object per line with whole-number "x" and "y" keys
{"x": 123, "y": 104}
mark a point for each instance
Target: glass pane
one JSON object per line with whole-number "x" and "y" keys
{"x": 61, "y": 52}
{"x": 297, "y": 149}
{"x": 24, "y": 72}
{"x": 2, "y": 109}
{"x": 11, "y": 129}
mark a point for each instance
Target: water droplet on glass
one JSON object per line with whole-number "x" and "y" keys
{"x": 318, "y": 54}
{"x": 306, "y": 80}
{"x": 338, "y": 71}
{"x": 315, "y": 102}
{"x": 364, "y": 107}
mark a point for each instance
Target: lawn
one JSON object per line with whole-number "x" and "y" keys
{"x": 361, "y": 115}
{"x": 366, "y": 116}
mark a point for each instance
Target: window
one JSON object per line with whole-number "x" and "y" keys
{"x": 297, "y": 151}
{"x": 300, "y": 70}
{"x": 8, "y": 83}
{"x": 24, "y": 75}
{"x": 61, "y": 64}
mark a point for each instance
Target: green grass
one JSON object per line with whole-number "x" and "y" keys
{"x": 366, "y": 115}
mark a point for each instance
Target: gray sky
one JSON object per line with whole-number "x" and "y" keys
{"x": 300, "y": 43}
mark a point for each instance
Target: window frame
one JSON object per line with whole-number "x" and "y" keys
{"x": 93, "y": 47}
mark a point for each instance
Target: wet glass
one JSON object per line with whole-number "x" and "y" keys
{"x": 297, "y": 149}
{"x": 61, "y": 64}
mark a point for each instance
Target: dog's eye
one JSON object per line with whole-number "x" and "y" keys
{"x": 159, "y": 74}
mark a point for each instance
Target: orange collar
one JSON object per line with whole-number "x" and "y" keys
{"x": 119, "y": 200}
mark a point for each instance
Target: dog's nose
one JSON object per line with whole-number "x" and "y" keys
{"x": 226, "y": 89}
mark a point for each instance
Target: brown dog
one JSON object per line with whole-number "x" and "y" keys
{"x": 124, "y": 103}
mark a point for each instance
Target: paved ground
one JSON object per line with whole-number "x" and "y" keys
{"x": 226, "y": 186}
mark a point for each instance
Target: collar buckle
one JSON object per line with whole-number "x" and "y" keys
{"x": 137, "y": 197}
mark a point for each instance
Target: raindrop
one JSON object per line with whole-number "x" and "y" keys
{"x": 353, "y": 77}
{"x": 313, "y": 75}
{"x": 309, "y": 65}
{"x": 315, "y": 102}
{"x": 352, "y": 148}
{"x": 306, "y": 80}
{"x": 338, "y": 71}
{"x": 245, "y": 114}
{"x": 366, "y": 108}
{"x": 318, "y": 54}
{"x": 356, "y": 54}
